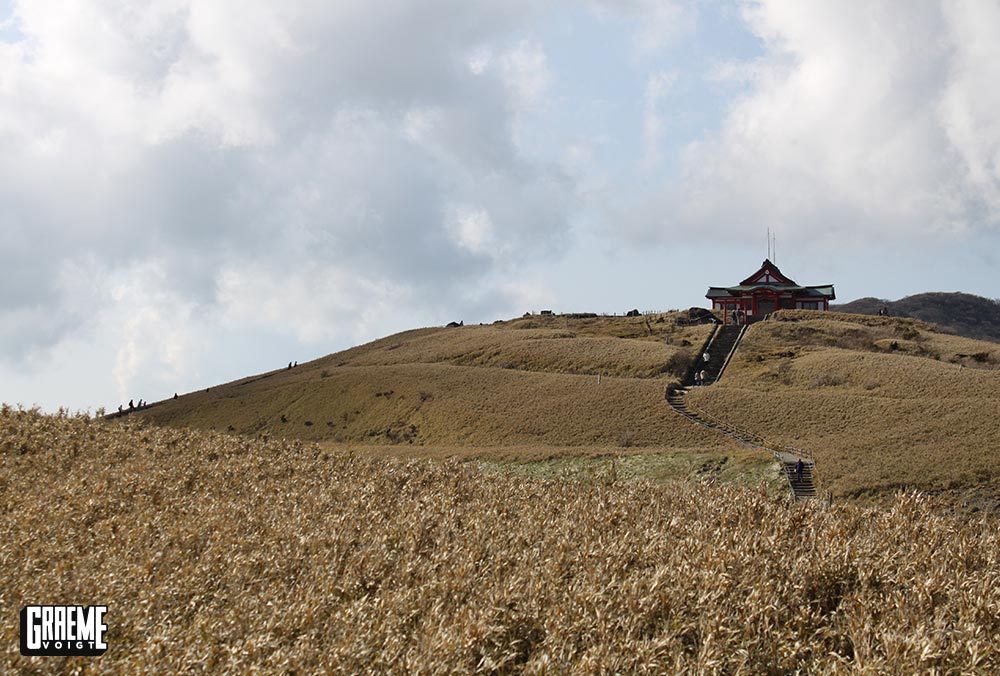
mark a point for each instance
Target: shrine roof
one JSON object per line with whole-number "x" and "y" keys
{"x": 768, "y": 274}
{"x": 770, "y": 278}
{"x": 823, "y": 291}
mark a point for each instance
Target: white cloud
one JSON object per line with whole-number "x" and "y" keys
{"x": 211, "y": 144}
{"x": 315, "y": 303}
{"x": 523, "y": 68}
{"x": 525, "y": 71}
{"x": 971, "y": 99}
{"x": 480, "y": 59}
{"x": 472, "y": 229}
{"x": 653, "y": 125}
{"x": 860, "y": 118}
{"x": 152, "y": 327}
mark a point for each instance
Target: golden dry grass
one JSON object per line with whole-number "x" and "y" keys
{"x": 440, "y": 405}
{"x": 741, "y": 467}
{"x": 224, "y": 554}
{"x": 894, "y": 335}
{"x": 528, "y": 382}
{"x": 883, "y": 403}
{"x": 923, "y": 414}
{"x": 529, "y": 350}
{"x": 636, "y": 347}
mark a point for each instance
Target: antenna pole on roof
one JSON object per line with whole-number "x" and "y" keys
{"x": 769, "y": 244}
{"x": 774, "y": 248}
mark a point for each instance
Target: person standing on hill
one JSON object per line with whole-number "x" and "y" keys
{"x": 800, "y": 468}
{"x": 701, "y": 376}
{"x": 705, "y": 357}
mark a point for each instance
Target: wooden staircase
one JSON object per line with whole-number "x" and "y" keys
{"x": 721, "y": 345}
{"x": 802, "y": 486}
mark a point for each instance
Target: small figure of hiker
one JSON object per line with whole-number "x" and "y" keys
{"x": 701, "y": 377}
{"x": 131, "y": 405}
{"x": 800, "y": 468}
{"x": 295, "y": 364}
{"x": 697, "y": 378}
{"x": 175, "y": 395}
{"x": 119, "y": 409}
{"x": 289, "y": 366}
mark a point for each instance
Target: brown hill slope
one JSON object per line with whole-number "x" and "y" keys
{"x": 962, "y": 313}
{"x": 526, "y": 382}
{"x": 883, "y": 403}
{"x": 224, "y": 554}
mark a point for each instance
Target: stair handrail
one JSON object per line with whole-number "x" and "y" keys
{"x": 788, "y": 477}
{"x": 732, "y": 351}
{"x": 748, "y": 436}
{"x": 801, "y": 452}
{"x": 758, "y": 440}
{"x": 689, "y": 374}
{"x": 743, "y": 436}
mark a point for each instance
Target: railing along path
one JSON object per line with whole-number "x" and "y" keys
{"x": 799, "y": 477}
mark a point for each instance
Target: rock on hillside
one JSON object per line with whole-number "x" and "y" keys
{"x": 963, "y": 313}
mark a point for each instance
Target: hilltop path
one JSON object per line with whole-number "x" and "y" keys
{"x": 721, "y": 345}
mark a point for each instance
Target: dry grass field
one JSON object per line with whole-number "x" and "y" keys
{"x": 883, "y": 403}
{"x": 226, "y": 554}
{"x": 436, "y": 405}
{"x": 530, "y": 382}
{"x": 634, "y": 347}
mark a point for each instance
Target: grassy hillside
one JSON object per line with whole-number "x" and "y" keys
{"x": 883, "y": 403}
{"x": 527, "y": 382}
{"x": 225, "y": 554}
{"x": 962, "y": 313}
{"x": 435, "y": 404}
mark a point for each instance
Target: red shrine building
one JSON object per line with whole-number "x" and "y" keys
{"x": 767, "y": 290}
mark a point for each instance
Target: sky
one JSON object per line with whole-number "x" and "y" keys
{"x": 192, "y": 191}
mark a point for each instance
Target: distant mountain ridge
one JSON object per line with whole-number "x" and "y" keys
{"x": 962, "y": 313}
